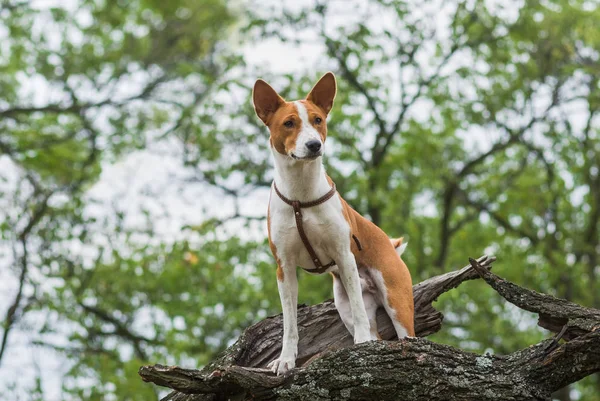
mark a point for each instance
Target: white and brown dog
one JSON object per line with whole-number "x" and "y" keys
{"x": 308, "y": 223}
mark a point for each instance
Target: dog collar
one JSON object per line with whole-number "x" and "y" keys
{"x": 298, "y": 206}
{"x": 317, "y": 202}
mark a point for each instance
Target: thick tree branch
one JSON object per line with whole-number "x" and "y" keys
{"x": 413, "y": 368}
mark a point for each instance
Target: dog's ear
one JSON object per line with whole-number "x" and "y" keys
{"x": 266, "y": 100}
{"x": 323, "y": 93}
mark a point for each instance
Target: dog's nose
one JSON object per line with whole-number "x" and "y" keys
{"x": 313, "y": 146}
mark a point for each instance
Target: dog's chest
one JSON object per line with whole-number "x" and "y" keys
{"x": 324, "y": 225}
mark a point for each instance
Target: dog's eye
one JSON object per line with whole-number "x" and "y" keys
{"x": 318, "y": 120}
{"x": 289, "y": 124}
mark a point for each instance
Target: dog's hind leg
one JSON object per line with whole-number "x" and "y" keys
{"x": 397, "y": 302}
{"x": 342, "y": 304}
{"x": 371, "y": 308}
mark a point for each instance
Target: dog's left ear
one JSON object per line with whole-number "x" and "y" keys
{"x": 323, "y": 93}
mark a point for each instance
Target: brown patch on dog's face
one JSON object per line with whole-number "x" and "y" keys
{"x": 285, "y": 126}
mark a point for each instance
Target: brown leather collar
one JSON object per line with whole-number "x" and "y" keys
{"x": 317, "y": 202}
{"x": 298, "y": 206}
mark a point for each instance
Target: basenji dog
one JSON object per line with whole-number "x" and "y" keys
{"x": 312, "y": 227}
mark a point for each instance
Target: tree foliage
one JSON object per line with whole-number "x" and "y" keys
{"x": 467, "y": 127}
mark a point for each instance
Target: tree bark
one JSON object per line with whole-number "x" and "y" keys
{"x": 331, "y": 368}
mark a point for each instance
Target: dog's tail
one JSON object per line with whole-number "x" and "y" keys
{"x": 399, "y": 244}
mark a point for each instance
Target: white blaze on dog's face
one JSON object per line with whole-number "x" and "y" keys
{"x": 298, "y": 129}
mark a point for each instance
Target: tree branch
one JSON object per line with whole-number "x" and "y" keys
{"x": 12, "y": 313}
{"x": 15, "y": 311}
{"x": 413, "y": 368}
{"x": 76, "y": 107}
{"x": 354, "y": 82}
{"x": 554, "y": 313}
{"x": 120, "y": 330}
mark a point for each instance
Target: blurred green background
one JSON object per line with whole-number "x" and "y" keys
{"x": 134, "y": 175}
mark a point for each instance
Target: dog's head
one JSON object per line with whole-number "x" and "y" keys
{"x": 298, "y": 129}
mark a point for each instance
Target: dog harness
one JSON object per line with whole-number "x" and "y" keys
{"x": 298, "y": 206}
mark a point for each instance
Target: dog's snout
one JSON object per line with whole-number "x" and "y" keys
{"x": 313, "y": 146}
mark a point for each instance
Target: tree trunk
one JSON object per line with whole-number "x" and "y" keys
{"x": 331, "y": 368}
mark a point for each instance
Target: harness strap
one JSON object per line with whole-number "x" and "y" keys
{"x": 297, "y": 205}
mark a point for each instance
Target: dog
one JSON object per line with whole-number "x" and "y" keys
{"x": 312, "y": 227}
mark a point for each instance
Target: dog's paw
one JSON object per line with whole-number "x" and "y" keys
{"x": 363, "y": 337}
{"x": 282, "y": 365}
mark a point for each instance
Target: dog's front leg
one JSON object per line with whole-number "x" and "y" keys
{"x": 287, "y": 283}
{"x": 351, "y": 282}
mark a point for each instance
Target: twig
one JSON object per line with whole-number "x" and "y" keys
{"x": 554, "y": 344}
